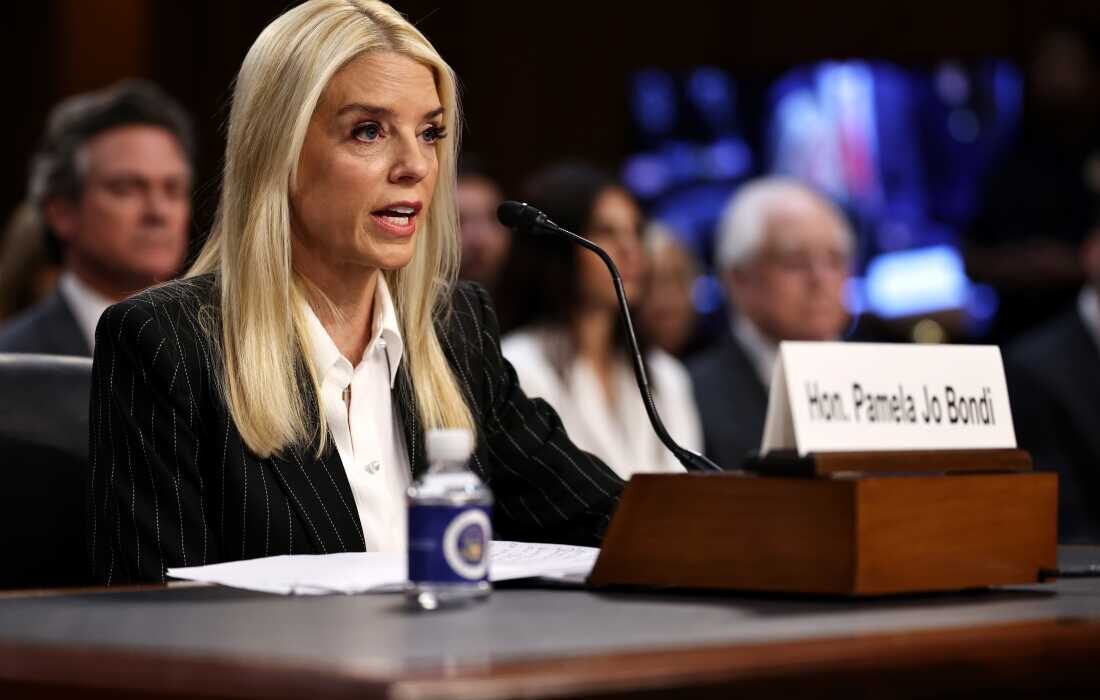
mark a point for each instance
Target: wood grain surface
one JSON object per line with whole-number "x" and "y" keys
{"x": 864, "y": 535}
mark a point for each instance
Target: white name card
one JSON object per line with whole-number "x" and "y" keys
{"x": 853, "y": 397}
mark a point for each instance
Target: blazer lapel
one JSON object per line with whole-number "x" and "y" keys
{"x": 319, "y": 490}
{"x": 749, "y": 395}
{"x": 405, "y": 409}
{"x": 320, "y": 493}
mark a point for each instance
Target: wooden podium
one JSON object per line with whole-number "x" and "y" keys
{"x": 850, "y": 524}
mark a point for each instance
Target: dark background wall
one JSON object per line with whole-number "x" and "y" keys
{"x": 540, "y": 80}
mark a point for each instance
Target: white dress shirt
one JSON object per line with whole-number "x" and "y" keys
{"x": 619, "y": 433}
{"x": 367, "y": 435}
{"x": 762, "y": 351}
{"x": 1088, "y": 306}
{"x": 86, "y": 304}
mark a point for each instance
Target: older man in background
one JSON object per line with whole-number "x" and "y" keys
{"x": 111, "y": 184}
{"x": 784, "y": 253}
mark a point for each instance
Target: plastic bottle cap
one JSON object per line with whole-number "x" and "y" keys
{"x": 452, "y": 444}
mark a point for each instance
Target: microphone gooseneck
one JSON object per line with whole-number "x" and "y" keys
{"x": 525, "y": 218}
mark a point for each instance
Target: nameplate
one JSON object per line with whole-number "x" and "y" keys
{"x": 851, "y": 397}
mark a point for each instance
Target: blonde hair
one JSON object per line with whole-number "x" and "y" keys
{"x": 261, "y": 331}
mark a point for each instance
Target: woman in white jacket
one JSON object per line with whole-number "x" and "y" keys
{"x": 568, "y": 345}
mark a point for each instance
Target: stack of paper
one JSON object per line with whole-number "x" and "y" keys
{"x": 359, "y": 572}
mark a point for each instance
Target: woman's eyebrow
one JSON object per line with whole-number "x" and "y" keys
{"x": 370, "y": 110}
{"x": 375, "y": 111}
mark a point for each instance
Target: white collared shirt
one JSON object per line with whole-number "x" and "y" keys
{"x": 86, "y": 304}
{"x": 1088, "y": 306}
{"x": 367, "y": 434}
{"x": 761, "y": 350}
{"x": 618, "y": 431}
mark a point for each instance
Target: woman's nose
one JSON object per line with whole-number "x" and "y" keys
{"x": 410, "y": 161}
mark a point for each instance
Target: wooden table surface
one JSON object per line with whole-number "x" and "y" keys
{"x": 199, "y": 641}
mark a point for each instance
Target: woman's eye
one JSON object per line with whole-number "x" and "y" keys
{"x": 434, "y": 133}
{"x": 367, "y": 132}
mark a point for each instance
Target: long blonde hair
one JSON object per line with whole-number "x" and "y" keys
{"x": 260, "y": 330}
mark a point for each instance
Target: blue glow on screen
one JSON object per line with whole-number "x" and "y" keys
{"x": 654, "y": 101}
{"x": 712, "y": 92}
{"x": 903, "y": 151}
{"x": 707, "y": 295}
{"x": 914, "y": 282}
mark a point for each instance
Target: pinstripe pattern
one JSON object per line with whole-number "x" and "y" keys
{"x": 157, "y": 499}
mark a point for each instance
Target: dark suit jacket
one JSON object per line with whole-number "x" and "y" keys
{"x": 48, "y": 327}
{"x": 172, "y": 484}
{"x": 732, "y": 401}
{"x": 1054, "y": 384}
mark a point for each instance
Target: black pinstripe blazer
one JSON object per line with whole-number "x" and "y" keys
{"x": 172, "y": 484}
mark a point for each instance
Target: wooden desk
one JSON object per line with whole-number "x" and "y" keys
{"x": 187, "y": 641}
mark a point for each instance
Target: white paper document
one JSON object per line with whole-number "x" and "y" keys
{"x": 360, "y": 572}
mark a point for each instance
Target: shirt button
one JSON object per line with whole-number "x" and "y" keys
{"x": 373, "y": 466}
{"x": 381, "y": 344}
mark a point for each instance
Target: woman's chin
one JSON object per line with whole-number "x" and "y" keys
{"x": 391, "y": 256}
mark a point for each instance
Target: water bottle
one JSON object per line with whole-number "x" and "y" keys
{"x": 449, "y": 526}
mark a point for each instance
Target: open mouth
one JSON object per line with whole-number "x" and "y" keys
{"x": 398, "y": 218}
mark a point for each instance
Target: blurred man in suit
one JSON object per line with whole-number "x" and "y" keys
{"x": 784, "y": 253}
{"x": 1054, "y": 381}
{"x": 111, "y": 184}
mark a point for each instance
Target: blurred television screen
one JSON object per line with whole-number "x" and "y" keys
{"x": 904, "y": 151}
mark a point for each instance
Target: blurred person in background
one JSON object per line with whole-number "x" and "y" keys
{"x": 784, "y": 254}
{"x": 668, "y": 314}
{"x": 485, "y": 241}
{"x": 1038, "y": 201}
{"x": 570, "y": 347}
{"x": 111, "y": 184}
{"x": 27, "y": 274}
{"x": 1054, "y": 381}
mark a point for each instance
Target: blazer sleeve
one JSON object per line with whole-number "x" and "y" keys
{"x": 146, "y": 509}
{"x": 545, "y": 488}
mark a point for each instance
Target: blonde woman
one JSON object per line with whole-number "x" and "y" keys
{"x": 274, "y": 401}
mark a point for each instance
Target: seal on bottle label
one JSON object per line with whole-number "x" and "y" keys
{"x": 449, "y": 544}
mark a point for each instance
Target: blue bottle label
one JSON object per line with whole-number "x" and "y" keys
{"x": 449, "y": 544}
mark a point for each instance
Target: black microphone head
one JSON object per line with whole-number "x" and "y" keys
{"x": 520, "y": 216}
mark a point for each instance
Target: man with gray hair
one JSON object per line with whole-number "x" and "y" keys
{"x": 111, "y": 185}
{"x": 784, "y": 254}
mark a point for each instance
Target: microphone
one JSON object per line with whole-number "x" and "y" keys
{"x": 524, "y": 218}
{"x": 521, "y": 216}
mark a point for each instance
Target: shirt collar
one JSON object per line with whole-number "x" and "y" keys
{"x": 761, "y": 350}
{"x": 86, "y": 304}
{"x": 384, "y": 329}
{"x": 1088, "y": 306}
